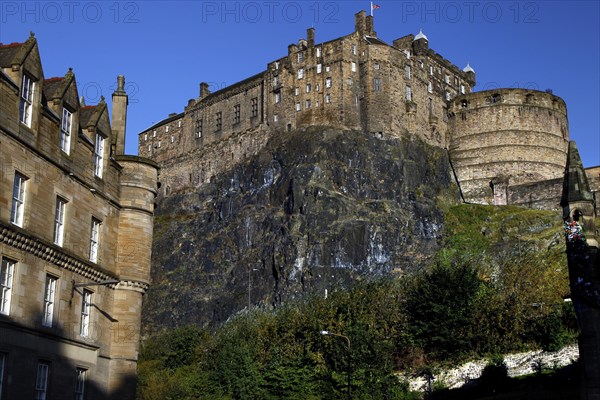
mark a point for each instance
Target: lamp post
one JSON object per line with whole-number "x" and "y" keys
{"x": 327, "y": 333}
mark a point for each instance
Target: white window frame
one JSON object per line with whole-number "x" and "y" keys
{"x": 95, "y": 239}
{"x": 18, "y": 200}
{"x": 59, "y": 221}
{"x": 41, "y": 380}
{"x": 462, "y": 89}
{"x": 353, "y": 49}
{"x": 275, "y": 118}
{"x": 298, "y": 107}
{"x": 430, "y": 87}
{"x": 145, "y": 137}
{"x": 407, "y": 71}
{"x": 318, "y": 52}
{"x": 328, "y": 98}
{"x": 377, "y": 85}
{"x": 307, "y": 104}
{"x": 277, "y": 97}
{"x": 301, "y": 57}
{"x": 409, "y": 94}
{"x": 327, "y": 68}
{"x": 86, "y": 311}
{"x": 26, "y": 105}
{"x": 447, "y": 78}
{"x": 376, "y": 66}
{"x": 65, "y": 131}
{"x": 319, "y": 68}
{"x": 328, "y": 82}
{"x": 300, "y": 73}
{"x": 308, "y": 88}
{"x": 448, "y": 96}
{"x": 297, "y": 91}
{"x": 49, "y": 300}
{"x": 353, "y": 66}
{"x": 99, "y": 156}
{"x": 80, "y": 385}
{"x": 7, "y": 271}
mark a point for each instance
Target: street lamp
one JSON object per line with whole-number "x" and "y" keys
{"x": 327, "y": 333}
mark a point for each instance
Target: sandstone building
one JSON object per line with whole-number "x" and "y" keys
{"x": 76, "y": 224}
{"x": 507, "y": 146}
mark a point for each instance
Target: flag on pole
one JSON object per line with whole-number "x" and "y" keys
{"x": 374, "y": 7}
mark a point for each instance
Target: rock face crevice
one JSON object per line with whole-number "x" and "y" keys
{"x": 314, "y": 210}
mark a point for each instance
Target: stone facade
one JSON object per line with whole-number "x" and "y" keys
{"x": 76, "y": 221}
{"x": 507, "y": 146}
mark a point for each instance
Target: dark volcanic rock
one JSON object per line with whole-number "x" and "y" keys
{"x": 314, "y": 210}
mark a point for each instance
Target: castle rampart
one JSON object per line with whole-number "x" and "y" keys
{"x": 506, "y": 137}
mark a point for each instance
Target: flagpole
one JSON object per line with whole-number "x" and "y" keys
{"x": 371, "y": 9}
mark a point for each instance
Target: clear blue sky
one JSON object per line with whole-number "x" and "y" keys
{"x": 166, "y": 48}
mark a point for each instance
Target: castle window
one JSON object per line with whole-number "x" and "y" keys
{"x": 407, "y": 72}
{"x": 448, "y": 96}
{"x": 99, "y": 155}
{"x": 300, "y": 56}
{"x": 172, "y": 139}
{"x": 49, "y": 298}
{"x": 275, "y": 81}
{"x": 26, "y": 106}
{"x": 349, "y": 81}
{"x": 376, "y": 66}
{"x": 308, "y": 88}
{"x": 464, "y": 104}
{"x": 179, "y": 124}
{"x": 18, "y": 200}
{"x": 430, "y": 87}
{"x": 408, "y": 93}
{"x": 495, "y": 98}
{"x": 307, "y": 104}
{"x": 447, "y": 79}
{"x": 254, "y": 107}
{"x": 319, "y": 67}
{"x": 154, "y": 133}
{"x": 318, "y": 52}
{"x": 275, "y": 118}
{"x": 317, "y": 87}
{"x": 86, "y": 308}
{"x": 167, "y": 129}
{"x": 327, "y": 98}
{"x": 430, "y": 70}
{"x": 159, "y": 143}
{"x": 327, "y": 68}
{"x": 149, "y": 148}
{"x": 300, "y": 73}
{"x": 199, "y": 127}
{"x": 421, "y": 64}
{"x": 277, "y": 97}
{"x": 236, "y": 114}
{"x": 94, "y": 239}
{"x": 65, "y": 130}
{"x": 276, "y": 64}
{"x": 145, "y": 137}
{"x": 353, "y": 66}
{"x": 407, "y": 54}
{"x": 462, "y": 89}
{"x": 376, "y": 85}
{"x": 6, "y": 282}
{"x": 218, "y": 121}
{"x": 59, "y": 221}
{"x": 328, "y": 82}
{"x": 353, "y": 49}
{"x": 298, "y": 107}
{"x": 356, "y": 100}
{"x": 297, "y": 91}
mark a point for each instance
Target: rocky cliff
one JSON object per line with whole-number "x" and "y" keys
{"x": 313, "y": 211}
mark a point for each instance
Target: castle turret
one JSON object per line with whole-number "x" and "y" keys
{"x": 470, "y": 75}
{"x": 120, "y": 100}
{"x": 420, "y": 44}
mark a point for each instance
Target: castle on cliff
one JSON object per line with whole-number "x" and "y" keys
{"x": 507, "y": 146}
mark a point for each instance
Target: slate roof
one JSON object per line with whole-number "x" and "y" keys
{"x": 8, "y": 53}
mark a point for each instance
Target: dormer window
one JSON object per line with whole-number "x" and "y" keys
{"x": 65, "y": 130}
{"x": 26, "y": 106}
{"x": 99, "y": 156}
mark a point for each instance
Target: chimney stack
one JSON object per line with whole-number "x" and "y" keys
{"x": 310, "y": 36}
{"x": 204, "y": 90}
{"x": 120, "y": 100}
{"x": 360, "y": 22}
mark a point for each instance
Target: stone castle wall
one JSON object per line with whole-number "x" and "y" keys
{"x": 506, "y": 137}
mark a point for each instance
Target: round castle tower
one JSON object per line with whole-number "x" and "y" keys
{"x": 506, "y": 137}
